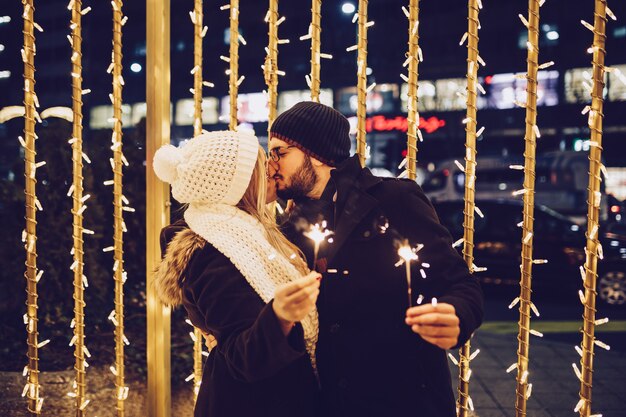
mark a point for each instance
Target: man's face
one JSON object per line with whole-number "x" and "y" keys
{"x": 294, "y": 173}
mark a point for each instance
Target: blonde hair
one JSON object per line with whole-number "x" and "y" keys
{"x": 254, "y": 203}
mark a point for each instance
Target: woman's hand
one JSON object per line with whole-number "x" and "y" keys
{"x": 294, "y": 300}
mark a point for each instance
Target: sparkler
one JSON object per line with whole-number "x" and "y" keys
{"x": 317, "y": 234}
{"x": 408, "y": 254}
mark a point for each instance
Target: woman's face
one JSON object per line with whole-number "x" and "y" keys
{"x": 271, "y": 184}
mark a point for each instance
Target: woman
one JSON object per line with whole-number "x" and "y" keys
{"x": 239, "y": 279}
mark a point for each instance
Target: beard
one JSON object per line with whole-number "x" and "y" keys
{"x": 302, "y": 182}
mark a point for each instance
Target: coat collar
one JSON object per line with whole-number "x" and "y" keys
{"x": 350, "y": 174}
{"x": 353, "y": 200}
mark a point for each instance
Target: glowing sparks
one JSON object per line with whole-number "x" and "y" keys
{"x": 408, "y": 254}
{"x": 317, "y": 233}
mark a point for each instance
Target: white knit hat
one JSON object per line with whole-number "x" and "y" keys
{"x": 213, "y": 168}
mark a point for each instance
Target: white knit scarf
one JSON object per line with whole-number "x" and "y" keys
{"x": 242, "y": 239}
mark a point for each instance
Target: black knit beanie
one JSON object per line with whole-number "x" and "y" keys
{"x": 317, "y": 130}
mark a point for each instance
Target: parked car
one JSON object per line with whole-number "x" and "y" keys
{"x": 561, "y": 181}
{"x": 498, "y": 242}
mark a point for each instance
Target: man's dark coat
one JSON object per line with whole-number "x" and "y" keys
{"x": 370, "y": 363}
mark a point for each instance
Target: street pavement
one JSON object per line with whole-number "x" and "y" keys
{"x": 555, "y": 385}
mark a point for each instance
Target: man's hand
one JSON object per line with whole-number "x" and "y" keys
{"x": 294, "y": 300}
{"x": 436, "y": 324}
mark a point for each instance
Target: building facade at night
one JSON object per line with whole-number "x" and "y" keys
{"x": 561, "y": 90}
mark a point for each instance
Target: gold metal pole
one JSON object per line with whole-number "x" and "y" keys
{"x": 30, "y": 233}
{"x": 593, "y": 249}
{"x": 157, "y": 202}
{"x": 234, "y": 80}
{"x": 119, "y": 275}
{"x": 316, "y": 31}
{"x": 361, "y": 143}
{"x": 530, "y": 139}
{"x": 413, "y": 114}
{"x": 197, "y": 130}
{"x": 80, "y": 282}
{"x": 470, "y": 179}
{"x": 271, "y": 63}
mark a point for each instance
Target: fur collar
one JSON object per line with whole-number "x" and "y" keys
{"x": 169, "y": 275}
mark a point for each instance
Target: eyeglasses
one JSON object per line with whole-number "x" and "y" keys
{"x": 275, "y": 155}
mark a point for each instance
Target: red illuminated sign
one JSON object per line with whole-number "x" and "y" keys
{"x": 383, "y": 124}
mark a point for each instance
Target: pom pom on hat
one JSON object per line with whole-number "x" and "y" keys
{"x": 166, "y": 161}
{"x": 212, "y": 168}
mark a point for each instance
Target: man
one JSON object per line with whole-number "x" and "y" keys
{"x": 375, "y": 355}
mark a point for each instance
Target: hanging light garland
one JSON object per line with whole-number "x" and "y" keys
{"x": 464, "y": 402}
{"x": 119, "y": 227}
{"x": 362, "y": 80}
{"x": 270, "y": 68}
{"x": 29, "y": 236}
{"x": 593, "y": 247}
{"x": 412, "y": 61}
{"x": 199, "y": 31}
{"x": 79, "y": 207}
{"x": 315, "y": 32}
{"x": 532, "y": 133}
{"x": 234, "y": 81}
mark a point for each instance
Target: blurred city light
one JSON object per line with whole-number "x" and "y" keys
{"x": 348, "y": 8}
{"x": 552, "y": 35}
{"x": 135, "y": 67}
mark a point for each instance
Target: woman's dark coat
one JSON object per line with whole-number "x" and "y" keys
{"x": 254, "y": 370}
{"x": 370, "y": 363}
